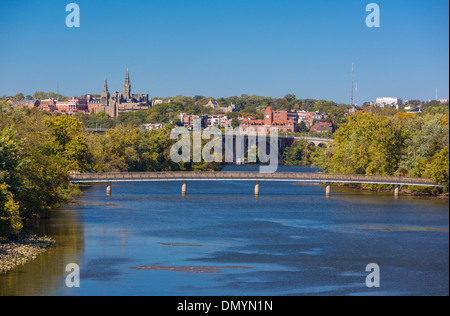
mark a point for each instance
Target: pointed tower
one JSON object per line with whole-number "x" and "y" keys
{"x": 105, "y": 95}
{"x": 351, "y": 97}
{"x": 127, "y": 87}
{"x": 268, "y": 116}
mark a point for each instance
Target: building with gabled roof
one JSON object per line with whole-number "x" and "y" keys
{"x": 272, "y": 120}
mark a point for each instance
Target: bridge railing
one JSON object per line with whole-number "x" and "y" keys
{"x": 319, "y": 177}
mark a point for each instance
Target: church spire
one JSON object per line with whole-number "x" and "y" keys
{"x": 127, "y": 87}
{"x": 105, "y": 87}
{"x": 105, "y": 95}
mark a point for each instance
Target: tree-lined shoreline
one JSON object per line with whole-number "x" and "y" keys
{"x": 39, "y": 150}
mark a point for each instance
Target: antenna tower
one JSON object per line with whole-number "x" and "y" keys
{"x": 351, "y": 98}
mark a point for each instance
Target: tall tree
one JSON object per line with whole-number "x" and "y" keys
{"x": 368, "y": 144}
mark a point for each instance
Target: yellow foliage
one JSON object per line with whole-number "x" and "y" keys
{"x": 445, "y": 120}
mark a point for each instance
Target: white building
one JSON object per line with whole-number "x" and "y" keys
{"x": 151, "y": 127}
{"x": 388, "y": 101}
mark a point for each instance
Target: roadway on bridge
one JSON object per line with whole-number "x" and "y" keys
{"x": 246, "y": 176}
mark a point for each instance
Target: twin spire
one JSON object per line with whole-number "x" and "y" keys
{"x": 126, "y": 85}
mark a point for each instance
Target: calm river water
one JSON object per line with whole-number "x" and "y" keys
{"x": 146, "y": 239}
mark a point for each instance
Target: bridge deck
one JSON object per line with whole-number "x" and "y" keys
{"x": 247, "y": 176}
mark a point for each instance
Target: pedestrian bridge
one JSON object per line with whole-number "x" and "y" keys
{"x": 316, "y": 140}
{"x": 185, "y": 176}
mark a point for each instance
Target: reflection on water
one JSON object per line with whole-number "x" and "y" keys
{"x": 146, "y": 239}
{"x": 45, "y": 274}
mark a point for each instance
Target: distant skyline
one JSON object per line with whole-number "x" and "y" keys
{"x": 225, "y": 48}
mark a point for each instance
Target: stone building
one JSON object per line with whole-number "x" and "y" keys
{"x": 117, "y": 102}
{"x": 216, "y": 106}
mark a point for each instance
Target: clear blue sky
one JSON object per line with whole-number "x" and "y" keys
{"x": 227, "y": 47}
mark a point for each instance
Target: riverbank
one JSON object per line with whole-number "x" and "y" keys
{"x": 425, "y": 193}
{"x": 21, "y": 249}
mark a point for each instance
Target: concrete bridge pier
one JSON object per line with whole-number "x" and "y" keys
{"x": 256, "y": 188}
{"x": 396, "y": 191}
{"x": 328, "y": 190}
{"x": 183, "y": 188}
{"x": 108, "y": 189}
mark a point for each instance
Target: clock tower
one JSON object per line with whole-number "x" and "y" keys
{"x": 268, "y": 116}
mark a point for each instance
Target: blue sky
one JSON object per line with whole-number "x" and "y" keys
{"x": 223, "y": 48}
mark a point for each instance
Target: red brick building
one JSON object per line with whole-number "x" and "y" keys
{"x": 272, "y": 119}
{"x": 48, "y": 105}
{"x": 352, "y": 111}
{"x": 322, "y": 127}
{"x": 72, "y": 106}
{"x": 93, "y": 103}
{"x": 30, "y": 104}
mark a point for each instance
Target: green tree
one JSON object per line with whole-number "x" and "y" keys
{"x": 69, "y": 143}
{"x": 368, "y": 144}
{"x": 427, "y": 137}
{"x": 440, "y": 167}
{"x": 235, "y": 123}
{"x": 290, "y": 98}
{"x": 302, "y": 128}
{"x": 18, "y": 97}
{"x": 10, "y": 160}
{"x": 299, "y": 154}
{"x": 10, "y": 180}
{"x": 10, "y": 220}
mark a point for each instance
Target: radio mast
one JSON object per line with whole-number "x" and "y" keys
{"x": 351, "y": 98}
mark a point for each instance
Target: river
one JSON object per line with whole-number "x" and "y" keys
{"x": 146, "y": 239}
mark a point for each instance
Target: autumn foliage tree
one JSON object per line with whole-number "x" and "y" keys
{"x": 10, "y": 220}
{"x": 440, "y": 167}
{"x": 368, "y": 144}
{"x": 401, "y": 144}
{"x": 10, "y": 165}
